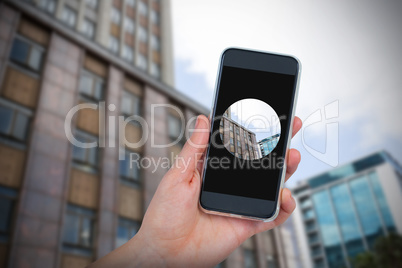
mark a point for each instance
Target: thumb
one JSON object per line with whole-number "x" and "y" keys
{"x": 189, "y": 157}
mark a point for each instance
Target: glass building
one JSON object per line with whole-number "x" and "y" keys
{"x": 342, "y": 212}
{"x": 267, "y": 145}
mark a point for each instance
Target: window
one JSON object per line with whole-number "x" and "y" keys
{"x": 231, "y": 141}
{"x": 129, "y": 172}
{"x": 155, "y": 44}
{"x": 142, "y": 61}
{"x": 231, "y": 127}
{"x": 130, "y": 104}
{"x": 155, "y": 70}
{"x": 27, "y": 54}
{"x": 237, "y": 131}
{"x": 91, "y": 86}
{"x": 113, "y": 44}
{"x": 154, "y": 17}
{"x": 174, "y": 126}
{"x": 128, "y": 54}
{"x": 115, "y": 15}
{"x": 69, "y": 16}
{"x": 88, "y": 28}
{"x": 47, "y": 5}
{"x": 129, "y": 25}
{"x": 142, "y": 8}
{"x": 78, "y": 230}
{"x": 308, "y": 214}
{"x": 130, "y": 3}
{"x": 14, "y": 120}
{"x": 85, "y": 157}
{"x": 126, "y": 230}
{"x": 7, "y": 203}
{"x": 93, "y": 4}
{"x": 250, "y": 260}
{"x": 142, "y": 34}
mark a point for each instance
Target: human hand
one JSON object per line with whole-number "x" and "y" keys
{"x": 175, "y": 232}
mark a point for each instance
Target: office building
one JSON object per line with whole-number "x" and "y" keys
{"x": 137, "y": 31}
{"x": 239, "y": 140}
{"x": 65, "y": 206}
{"x": 341, "y": 213}
{"x": 267, "y": 145}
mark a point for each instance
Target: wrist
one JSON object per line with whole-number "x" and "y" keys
{"x": 135, "y": 253}
{"x": 142, "y": 253}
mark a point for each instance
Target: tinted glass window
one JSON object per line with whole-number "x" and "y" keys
{"x": 6, "y": 117}
{"x": 20, "y": 51}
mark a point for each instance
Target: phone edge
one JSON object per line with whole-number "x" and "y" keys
{"x": 213, "y": 106}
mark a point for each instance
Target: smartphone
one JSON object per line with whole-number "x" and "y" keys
{"x": 251, "y": 124}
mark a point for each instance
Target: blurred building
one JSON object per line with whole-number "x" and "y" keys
{"x": 342, "y": 212}
{"x": 64, "y": 206}
{"x": 267, "y": 145}
{"x": 139, "y": 32}
{"x": 240, "y": 140}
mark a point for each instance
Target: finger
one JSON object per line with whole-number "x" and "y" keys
{"x": 288, "y": 205}
{"x": 192, "y": 151}
{"x": 297, "y": 124}
{"x": 292, "y": 163}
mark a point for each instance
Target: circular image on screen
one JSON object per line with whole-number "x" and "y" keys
{"x": 250, "y": 129}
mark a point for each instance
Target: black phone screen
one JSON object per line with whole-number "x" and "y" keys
{"x": 245, "y": 176}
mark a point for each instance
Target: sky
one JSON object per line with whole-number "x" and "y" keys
{"x": 257, "y": 116}
{"x": 350, "y": 90}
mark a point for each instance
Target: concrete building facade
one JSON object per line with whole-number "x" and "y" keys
{"x": 341, "y": 213}
{"x": 239, "y": 140}
{"x": 137, "y": 31}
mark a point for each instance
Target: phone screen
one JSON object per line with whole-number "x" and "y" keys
{"x": 250, "y": 129}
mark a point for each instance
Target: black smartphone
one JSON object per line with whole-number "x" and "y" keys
{"x": 251, "y": 125}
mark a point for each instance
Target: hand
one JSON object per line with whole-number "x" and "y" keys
{"x": 175, "y": 231}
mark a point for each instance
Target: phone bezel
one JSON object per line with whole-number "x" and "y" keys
{"x": 228, "y": 202}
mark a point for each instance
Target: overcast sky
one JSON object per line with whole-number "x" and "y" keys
{"x": 351, "y": 57}
{"x": 256, "y": 116}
